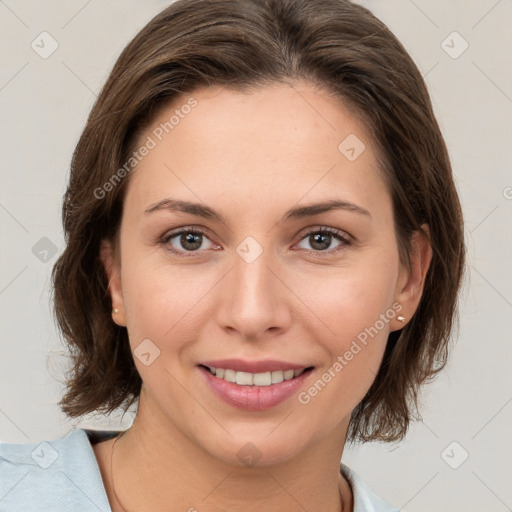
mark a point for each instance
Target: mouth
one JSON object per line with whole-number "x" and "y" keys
{"x": 260, "y": 379}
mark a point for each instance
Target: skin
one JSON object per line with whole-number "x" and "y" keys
{"x": 252, "y": 157}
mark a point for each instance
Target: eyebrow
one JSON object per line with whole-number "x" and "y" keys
{"x": 201, "y": 210}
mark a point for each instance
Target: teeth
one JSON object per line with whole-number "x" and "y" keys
{"x": 255, "y": 379}
{"x": 262, "y": 379}
{"x": 244, "y": 379}
{"x": 229, "y": 375}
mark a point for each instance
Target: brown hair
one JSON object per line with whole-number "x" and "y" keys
{"x": 243, "y": 44}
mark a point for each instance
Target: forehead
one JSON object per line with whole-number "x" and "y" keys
{"x": 297, "y": 114}
{"x": 283, "y": 140}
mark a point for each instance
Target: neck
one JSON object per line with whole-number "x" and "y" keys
{"x": 155, "y": 464}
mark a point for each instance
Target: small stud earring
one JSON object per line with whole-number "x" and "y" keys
{"x": 115, "y": 311}
{"x": 401, "y": 318}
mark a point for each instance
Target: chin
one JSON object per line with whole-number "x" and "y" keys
{"x": 255, "y": 454}
{"x": 252, "y": 446}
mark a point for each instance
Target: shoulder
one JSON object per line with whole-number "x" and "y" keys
{"x": 365, "y": 499}
{"x": 53, "y": 475}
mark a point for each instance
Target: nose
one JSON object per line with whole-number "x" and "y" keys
{"x": 255, "y": 299}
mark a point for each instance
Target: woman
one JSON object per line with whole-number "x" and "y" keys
{"x": 264, "y": 252}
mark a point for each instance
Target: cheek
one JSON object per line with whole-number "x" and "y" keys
{"x": 149, "y": 295}
{"x": 162, "y": 302}
{"x": 355, "y": 309}
{"x": 352, "y": 298}
{"x": 160, "y": 317}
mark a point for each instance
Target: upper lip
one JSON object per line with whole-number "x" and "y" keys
{"x": 268, "y": 365}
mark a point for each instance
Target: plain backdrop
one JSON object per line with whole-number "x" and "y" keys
{"x": 459, "y": 457}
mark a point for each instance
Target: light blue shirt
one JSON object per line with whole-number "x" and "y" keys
{"x": 63, "y": 475}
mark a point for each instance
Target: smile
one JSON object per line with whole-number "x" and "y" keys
{"x": 255, "y": 379}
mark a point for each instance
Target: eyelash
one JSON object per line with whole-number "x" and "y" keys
{"x": 345, "y": 241}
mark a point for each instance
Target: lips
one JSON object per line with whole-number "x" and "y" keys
{"x": 254, "y": 379}
{"x": 251, "y": 396}
{"x": 269, "y": 365}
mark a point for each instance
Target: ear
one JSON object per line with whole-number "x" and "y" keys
{"x": 113, "y": 272}
{"x": 411, "y": 281}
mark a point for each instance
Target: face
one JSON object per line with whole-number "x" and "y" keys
{"x": 251, "y": 280}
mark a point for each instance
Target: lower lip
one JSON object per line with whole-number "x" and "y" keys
{"x": 254, "y": 398}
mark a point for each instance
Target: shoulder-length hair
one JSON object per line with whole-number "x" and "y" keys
{"x": 243, "y": 44}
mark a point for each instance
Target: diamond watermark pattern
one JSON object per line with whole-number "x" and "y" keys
{"x": 44, "y": 45}
{"x": 146, "y": 352}
{"x": 454, "y": 45}
{"x": 44, "y": 249}
{"x": 249, "y": 250}
{"x": 454, "y": 455}
{"x": 249, "y": 454}
{"x": 351, "y": 147}
{"x": 44, "y": 454}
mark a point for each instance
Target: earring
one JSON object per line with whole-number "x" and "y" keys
{"x": 115, "y": 311}
{"x": 401, "y": 318}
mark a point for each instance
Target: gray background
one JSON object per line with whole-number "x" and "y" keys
{"x": 44, "y": 103}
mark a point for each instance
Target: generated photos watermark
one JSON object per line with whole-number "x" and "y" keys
{"x": 344, "y": 359}
{"x": 151, "y": 142}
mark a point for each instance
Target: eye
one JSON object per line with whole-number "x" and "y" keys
{"x": 191, "y": 241}
{"x": 320, "y": 239}
{"x": 185, "y": 240}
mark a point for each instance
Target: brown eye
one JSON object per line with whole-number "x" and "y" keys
{"x": 321, "y": 240}
{"x": 186, "y": 240}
